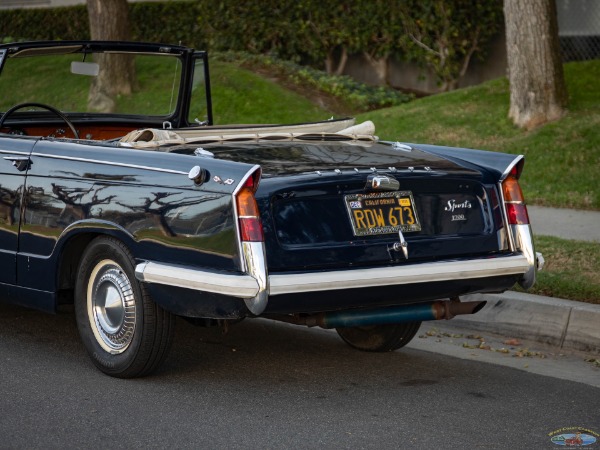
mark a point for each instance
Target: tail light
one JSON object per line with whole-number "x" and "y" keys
{"x": 516, "y": 211}
{"x": 249, "y": 222}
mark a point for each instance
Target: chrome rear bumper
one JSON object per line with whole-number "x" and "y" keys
{"x": 256, "y": 294}
{"x": 395, "y": 275}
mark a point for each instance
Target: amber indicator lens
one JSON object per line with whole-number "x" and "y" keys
{"x": 246, "y": 204}
{"x": 512, "y": 190}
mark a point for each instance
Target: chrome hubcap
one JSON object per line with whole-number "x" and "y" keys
{"x": 111, "y": 306}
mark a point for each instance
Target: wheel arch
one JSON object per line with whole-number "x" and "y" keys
{"x": 71, "y": 245}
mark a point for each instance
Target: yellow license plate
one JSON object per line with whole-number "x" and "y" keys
{"x": 382, "y": 213}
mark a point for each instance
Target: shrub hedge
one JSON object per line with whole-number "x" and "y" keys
{"x": 171, "y": 22}
{"x": 440, "y": 34}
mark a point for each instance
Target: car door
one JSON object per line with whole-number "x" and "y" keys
{"x": 14, "y": 164}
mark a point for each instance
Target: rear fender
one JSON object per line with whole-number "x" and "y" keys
{"x": 496, "y": 163}
{"x": 500, "y": 166}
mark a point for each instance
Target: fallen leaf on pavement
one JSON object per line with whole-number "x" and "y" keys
{"x": 595, "y": 362}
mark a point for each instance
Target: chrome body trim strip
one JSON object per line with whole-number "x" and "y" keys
{"x": 523, "y": 237}
{"x": 511, "y": 241}
{"x": 514, "y": 162}
{"x": 520, "y": 239}
{"x": 11, "y": 152}
{"x": 256, "y": 266}
{"x": 233, "y": 285}
{"x": 109, "y": 163}
{"x": 396, "y": 275}
{"x": 236, "y": 216}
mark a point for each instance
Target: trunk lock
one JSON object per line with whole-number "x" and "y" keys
{"x": 381, "y": 183}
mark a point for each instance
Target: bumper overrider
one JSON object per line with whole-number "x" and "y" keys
{"x": 256, "y": 286}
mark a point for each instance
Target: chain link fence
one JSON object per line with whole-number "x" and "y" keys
{"x": 579, "y": 29}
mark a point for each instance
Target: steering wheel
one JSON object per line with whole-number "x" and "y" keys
{"x": 40, "y": 105}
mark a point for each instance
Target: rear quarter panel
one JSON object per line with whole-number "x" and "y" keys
{"x": 144, "y": 198}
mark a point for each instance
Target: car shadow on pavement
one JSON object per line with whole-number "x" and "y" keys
{"x": 277, "y": 352}
{"x": 259, "y": 349}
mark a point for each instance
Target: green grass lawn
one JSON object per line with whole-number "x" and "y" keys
{"x": 562, "y": 158}
{"x": 242, "y": 97}
{"x": 571, "y": 271}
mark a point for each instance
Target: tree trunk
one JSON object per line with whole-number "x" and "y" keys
{"x": 109, "y": 21}
{"x": 330, "y": 64}
{"x": 537, "y": 87}
{"x": 381, "y": 67}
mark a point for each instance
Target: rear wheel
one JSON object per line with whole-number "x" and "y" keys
{"x": 379, "y": 338}
{"x": 125, "y": 333}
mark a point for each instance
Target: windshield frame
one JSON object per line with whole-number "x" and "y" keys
{"x": 177, "y": 118}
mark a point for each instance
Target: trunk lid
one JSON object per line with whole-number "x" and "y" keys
{"x": 291, "y": 158}
{"x": 319, "y": 207}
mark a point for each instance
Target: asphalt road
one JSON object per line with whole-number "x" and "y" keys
{"x": 270, "y": 385}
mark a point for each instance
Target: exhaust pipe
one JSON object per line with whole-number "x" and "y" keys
{"x": 398, "y": 314}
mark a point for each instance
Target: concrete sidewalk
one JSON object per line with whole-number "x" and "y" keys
{"x": 563, "y": 323}
{"x": 565, "y": 223}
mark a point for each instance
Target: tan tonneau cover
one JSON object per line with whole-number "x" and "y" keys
{"x": 338, "y": 130}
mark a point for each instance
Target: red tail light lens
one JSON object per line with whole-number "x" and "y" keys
{"x": 516, "y": 211}
{"x": 517, "y": 214}
{"x": 251, "y": 230}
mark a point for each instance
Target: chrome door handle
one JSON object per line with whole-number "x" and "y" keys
{"x": 22, "y": 163}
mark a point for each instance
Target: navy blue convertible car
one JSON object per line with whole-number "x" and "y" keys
{"x": 135, "y": 208}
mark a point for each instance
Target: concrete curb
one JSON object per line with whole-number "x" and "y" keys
{"x": 562, "y": 323}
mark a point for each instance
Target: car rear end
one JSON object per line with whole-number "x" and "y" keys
{"x": 369, "y": 226}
